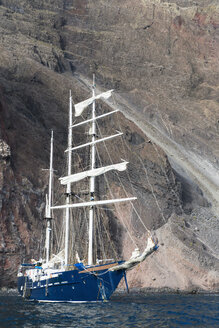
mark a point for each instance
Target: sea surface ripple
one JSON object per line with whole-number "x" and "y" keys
{"x": 147, "y": 310}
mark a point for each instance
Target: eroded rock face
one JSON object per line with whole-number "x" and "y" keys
{"x": 162, "y": 59}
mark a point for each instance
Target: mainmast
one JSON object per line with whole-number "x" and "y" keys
{"x": 92, "y": 179}
{"x": 68, "y": 188}
{"x": 49, "y": 203}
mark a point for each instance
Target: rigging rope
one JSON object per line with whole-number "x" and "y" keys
{"x": 99, "y": 234}
{"x": 148, "y": 231}
{"x": 110, "y": 240}
{"x": 167, "y": 179}
{"x": 128, "y": 176}
{"x": 110, "y": 187}
{"x": 146, "y": 173}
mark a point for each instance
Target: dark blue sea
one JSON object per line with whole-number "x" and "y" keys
{"x": 139, "y": 310}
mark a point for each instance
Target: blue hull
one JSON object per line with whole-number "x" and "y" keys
{"x": 72, "y": 286}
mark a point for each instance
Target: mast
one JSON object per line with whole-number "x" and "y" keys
{"x": 68, "y": 188}
{"x": 92, "y": 179}
{"x": 49, "y": 202}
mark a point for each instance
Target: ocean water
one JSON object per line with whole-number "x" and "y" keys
{"x": 147, "y": 310}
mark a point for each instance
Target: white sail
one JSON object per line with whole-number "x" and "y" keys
{"x": 79, "y": 108}
{"x": 93, "y": 173}
{"x": 92, "y": 203}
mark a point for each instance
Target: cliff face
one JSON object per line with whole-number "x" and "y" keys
{"x": 162, "y": 59}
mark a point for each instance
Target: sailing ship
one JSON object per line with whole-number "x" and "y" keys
{"x": 55, "y": 278}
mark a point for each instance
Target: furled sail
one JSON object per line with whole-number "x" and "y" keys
{"x": 79, "y": 108}
{"x": 93, "y": 173}
{"x": 60, "y": 257}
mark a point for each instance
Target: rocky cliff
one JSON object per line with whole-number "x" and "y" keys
{"x": 161, "y": 57}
